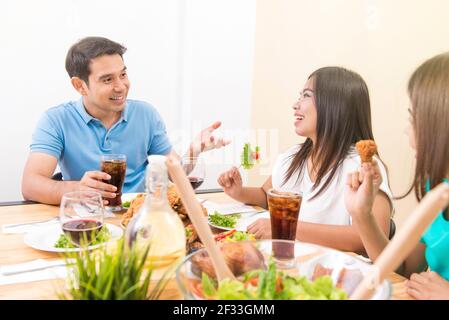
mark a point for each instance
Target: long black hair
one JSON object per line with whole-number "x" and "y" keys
{"x": 343, "y": 118}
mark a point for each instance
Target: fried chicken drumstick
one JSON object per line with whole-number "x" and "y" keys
{"x": 366, "y": 149}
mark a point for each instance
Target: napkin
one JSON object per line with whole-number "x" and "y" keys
{"x": 32, "y": 271}
{"x": 228, "y": 208}
{"x": 14, "y": 229}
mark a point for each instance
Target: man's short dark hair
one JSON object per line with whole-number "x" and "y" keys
{"x": 81, "y": 54}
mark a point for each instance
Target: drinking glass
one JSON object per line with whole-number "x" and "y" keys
{"x": 115, "y": 166}
{"x": 195, "y": 170}
{"x": 284, "y": 211}
{"x": 81, "y": 214}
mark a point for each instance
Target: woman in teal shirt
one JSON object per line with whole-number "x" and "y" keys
{"x": 428, "y": 133}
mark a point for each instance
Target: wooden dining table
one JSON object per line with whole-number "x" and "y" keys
{"x": 13, "y": 250}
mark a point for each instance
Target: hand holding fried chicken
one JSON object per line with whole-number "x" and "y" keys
{"x": 362, "y": 186}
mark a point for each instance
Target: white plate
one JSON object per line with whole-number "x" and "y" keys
{"x": 45, "y": 238}
{"x": 338, "y": 260}
{"x": 244, "y": 221}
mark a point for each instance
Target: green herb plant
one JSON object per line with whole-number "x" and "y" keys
{"x": 105, "y": 274}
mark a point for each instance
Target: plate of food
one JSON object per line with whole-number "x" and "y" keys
{"x": 238, "y": 221}
{"x": 258, "y": 275}
{"x": 137, "y": 199}
{"x": 128, "y": 197}
{"x": 53, "y": 239}
{"x": 193, "y": 242}
{"x": 346, "y": 272}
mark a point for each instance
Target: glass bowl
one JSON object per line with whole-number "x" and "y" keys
{"x": 307, "y": 260}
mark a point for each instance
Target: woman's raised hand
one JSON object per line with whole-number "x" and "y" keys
{"x": 361, "y": 190}
{"x": 231, "y": 182}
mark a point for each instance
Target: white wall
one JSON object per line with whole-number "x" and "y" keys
{"x": 218, "y": 74}
{"x": 191, "y": 59}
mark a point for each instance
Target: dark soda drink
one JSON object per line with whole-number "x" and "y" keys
{"x": 284, "y": 211}
{"x": 82, "y": 231}
{"x": 116, "y": 168}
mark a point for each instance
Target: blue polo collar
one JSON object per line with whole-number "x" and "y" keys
{"x": 87, "y": 117}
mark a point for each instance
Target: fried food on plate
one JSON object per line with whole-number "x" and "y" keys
{"x": 239, "y": 256}
{"x": 173, "y": 199}
{"x": 366, "y": 149}
{"x": 192, "y": 240}
{"x": 133, "y": 208}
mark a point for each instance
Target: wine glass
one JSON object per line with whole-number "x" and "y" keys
{"x": 81, "y": 215}
{"x": 195, "y": 169}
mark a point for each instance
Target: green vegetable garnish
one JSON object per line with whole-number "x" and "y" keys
{"x": 208, "y": 285}
{"x": 189, "y": 232}
{"x": 126, "y": 204}
{"x": 249, "y": 157}
{"x": 64, "y": 242}
{"x": 241, "y": 236}
{"x": 227, "y": 221}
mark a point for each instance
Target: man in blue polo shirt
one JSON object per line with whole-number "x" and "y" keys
{"x": 103, "y": 121}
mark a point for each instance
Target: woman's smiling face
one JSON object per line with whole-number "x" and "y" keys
{"x": 305, "y": 112}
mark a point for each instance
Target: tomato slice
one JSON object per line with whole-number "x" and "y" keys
{"x": 224, "y": 235}
{"x": 254, "y": 281}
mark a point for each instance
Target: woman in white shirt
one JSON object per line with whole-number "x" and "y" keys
{"x": 333, "y": 113}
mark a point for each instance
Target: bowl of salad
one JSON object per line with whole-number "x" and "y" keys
{"x": 317, "y": 273}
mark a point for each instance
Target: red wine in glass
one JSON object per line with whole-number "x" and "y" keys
{"x": 196, "y": 182}
{"x": 82, "y": 231}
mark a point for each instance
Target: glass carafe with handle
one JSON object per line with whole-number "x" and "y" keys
{"x": 156, "y": 226}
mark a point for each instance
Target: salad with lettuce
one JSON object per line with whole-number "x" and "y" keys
{"x": 220, "y": 220}
{"x": 269, "y": 284}
{"x": 104, "y": 235}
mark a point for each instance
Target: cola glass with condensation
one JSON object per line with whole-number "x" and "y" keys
{"x": 284, "y": 212}
{"x": 115, "y": 166}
